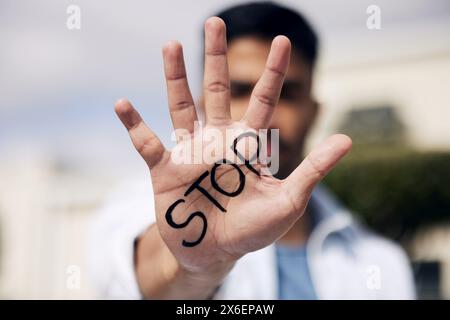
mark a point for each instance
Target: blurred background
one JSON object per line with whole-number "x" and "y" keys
{"x": 62, "y": 150}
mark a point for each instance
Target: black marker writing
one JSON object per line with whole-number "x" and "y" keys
{"x": 241, "y": 157}
{"x": 175, "y": 225}
{"x": 196, "y": 186}
{"x": 218, "y": 188}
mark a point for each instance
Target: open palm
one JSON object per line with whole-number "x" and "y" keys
{"x": 208, "y": 212}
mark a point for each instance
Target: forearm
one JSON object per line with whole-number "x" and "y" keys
{"x": 160, "y": 275}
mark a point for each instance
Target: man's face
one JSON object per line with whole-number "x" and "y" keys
{"x": 295, "y": 111}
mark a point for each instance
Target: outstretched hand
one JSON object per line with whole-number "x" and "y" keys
{"x": 209, "y": 213}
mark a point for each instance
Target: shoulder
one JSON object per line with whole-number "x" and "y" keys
{"x": 365, "y": 244}
{"x": 385, "y": 259}
{"x": 369, "y": 243}
{"x": 130, "y": 206}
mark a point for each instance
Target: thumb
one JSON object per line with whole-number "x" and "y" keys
{"x": 315, "y": 166}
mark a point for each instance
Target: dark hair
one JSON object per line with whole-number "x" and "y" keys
{"x": 267, "y": 20}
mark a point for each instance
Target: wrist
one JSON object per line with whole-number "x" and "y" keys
{"x": 195, "y": 282}
{"x": 161, "y": 276}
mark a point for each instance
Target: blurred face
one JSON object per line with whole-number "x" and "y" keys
{"x": 295, "y": 111}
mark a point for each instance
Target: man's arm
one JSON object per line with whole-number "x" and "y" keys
{"x": 160, "y": 276}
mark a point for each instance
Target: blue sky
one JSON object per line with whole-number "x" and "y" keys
{"x": 58, "y": 87}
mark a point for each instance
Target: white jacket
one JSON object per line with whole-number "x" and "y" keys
{"x": 346, "y": 261}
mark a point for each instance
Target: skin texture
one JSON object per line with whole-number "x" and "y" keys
{"x": 295, "y": 112}
{"x": 164, "y": 267}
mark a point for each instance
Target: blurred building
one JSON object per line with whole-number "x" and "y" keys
{"x": 405, "y": 67}
{"x": 45, "y": 210}
{"x": 398, "y": 79}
